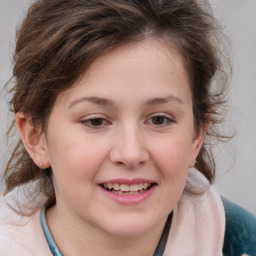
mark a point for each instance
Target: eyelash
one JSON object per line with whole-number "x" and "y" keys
{"x": 166, "y": 120}
{"x": 88, "y": 122}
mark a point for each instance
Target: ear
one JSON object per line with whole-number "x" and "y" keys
{"x": 33, "y": 139}
{"x": 197, "y": 143}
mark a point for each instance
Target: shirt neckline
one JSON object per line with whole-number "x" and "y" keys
{"x": 53, "y": 247}
{"x": 56, "y": 252}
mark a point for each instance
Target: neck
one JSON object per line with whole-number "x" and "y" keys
{"x": 79, "y": 238}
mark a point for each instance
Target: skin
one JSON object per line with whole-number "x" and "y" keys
{"x": 138, "y": 82}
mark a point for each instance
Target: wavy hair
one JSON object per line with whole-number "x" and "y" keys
{"x": 59, "y": 39}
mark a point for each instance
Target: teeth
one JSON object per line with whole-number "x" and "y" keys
{"x": 127, "y": 193}
{"x": 125, "y": 187}
{"x": 146, "y": 185}
{"x": 109, "y": 186}
{"x": 116, "y": 186}
{"x": 141, "y": 186}
{"x": 134, "y": 187}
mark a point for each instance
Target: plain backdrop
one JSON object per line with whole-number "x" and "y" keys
{"x": 236, "y": 172}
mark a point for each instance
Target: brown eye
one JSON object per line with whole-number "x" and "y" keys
{"x": 95, "y": 122}
{"x": 158, "y": 120}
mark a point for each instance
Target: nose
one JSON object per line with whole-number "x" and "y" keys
{"x": 129, "y": 148}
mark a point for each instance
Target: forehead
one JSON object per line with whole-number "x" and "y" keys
{"x": 144, "y": 68}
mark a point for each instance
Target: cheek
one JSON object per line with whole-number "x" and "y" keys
{"x": 171, "y": 158}
{"x": 173, "y": 154}
{"x": 74, "y": 169}
{"x": 172, "y": 164}
{"x": 75, "y": 159}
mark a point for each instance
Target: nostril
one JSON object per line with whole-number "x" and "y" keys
{"x": 120, "y": 163}
{"x": 130, "y": 165}
{"x": 134, "y": 165}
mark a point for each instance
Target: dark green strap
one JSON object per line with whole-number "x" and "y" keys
{"x": 162, "y": 242}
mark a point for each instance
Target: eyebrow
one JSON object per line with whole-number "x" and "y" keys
{"x": 108, "y": 102}
{"x": 94, "y": 100}
{"x": 160, "y": 100}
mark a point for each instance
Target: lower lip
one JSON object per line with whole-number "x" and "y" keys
{"x": 129, "y": 199}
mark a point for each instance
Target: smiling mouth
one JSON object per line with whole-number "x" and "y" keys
{"x": 126, "y": 189}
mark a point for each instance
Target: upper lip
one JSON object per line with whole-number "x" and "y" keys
{"x": 128, "y": 181}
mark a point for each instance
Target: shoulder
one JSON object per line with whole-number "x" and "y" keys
{"x": 20, "y": 235}
{"x": 240, "y": 232}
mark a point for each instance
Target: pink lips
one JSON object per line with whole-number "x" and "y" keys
{"x": 129, "y": 199}
{"x": 127, "y": 181}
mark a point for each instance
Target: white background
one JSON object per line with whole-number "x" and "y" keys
{"x": 236, "y": 176}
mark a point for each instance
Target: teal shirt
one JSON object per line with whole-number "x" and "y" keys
{"x": 240, "y": 234}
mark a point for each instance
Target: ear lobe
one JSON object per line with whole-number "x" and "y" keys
{"x": 197, "y": 143}
{"x": 33, "y": 140}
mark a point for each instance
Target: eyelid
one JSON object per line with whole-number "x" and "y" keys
{"x": 85, "y": 120}
{"x": 168, "y": 117}
{"x": 161, "y": 114}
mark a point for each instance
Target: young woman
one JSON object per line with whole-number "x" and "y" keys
{"x": 116, "y": 102}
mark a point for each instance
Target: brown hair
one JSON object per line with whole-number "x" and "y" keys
{"x": 59, "y": 39}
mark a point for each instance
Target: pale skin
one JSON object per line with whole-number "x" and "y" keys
{"x": 129, "y": 117}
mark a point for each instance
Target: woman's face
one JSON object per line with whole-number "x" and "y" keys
{"x": 120, "y": 142}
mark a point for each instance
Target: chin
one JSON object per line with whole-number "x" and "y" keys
{"x": 132, "y": 227}
{"x": 129, "y": 231}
